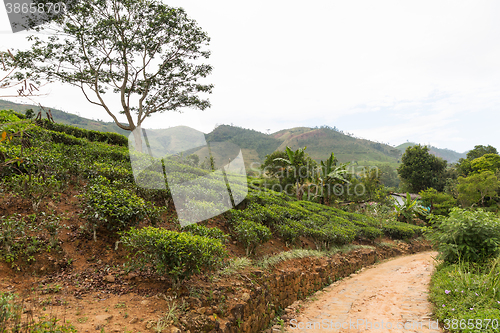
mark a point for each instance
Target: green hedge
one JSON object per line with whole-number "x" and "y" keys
{"x": 176, "y": 254}
{"x": 399, "y": 230}
{"x": 201, "y": 230}
{"x": 107, "y": 137}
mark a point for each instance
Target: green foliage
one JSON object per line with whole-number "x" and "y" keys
{"x": 106, "y": 137}
{"x": 466, "y": 236}
{"x": 18, "y": 240}
{"x": 251, "y": 234}
{"x": 479, "y": 151}
{"x": 466, "y": 297}
{"x": 370, "y": 233}
{"x": 476, "y": 187}
{"x": 10, "y": 310}
{"x": 35, "y": 188}
{"x": 487, "y": 162}
{"x": 400, "y": 230}
{"x": 201, "y": 230}
{"x": 440, "y": 203}
{"x": 408, "y": 210}
{"x": 116, "y": 35}
{"x": 421, "y": 170}
{"x": 115, "y": 208}
{"x": 176, "y": 254}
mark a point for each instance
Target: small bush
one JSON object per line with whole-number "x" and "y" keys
{"x": 201, "y": 230}
{"x": 114, "y": 208}
{"x": 467, "y": 235}
{"x": 251, "y": 234}
{"x": 399, "y": 230}
{"x": 370, "y": 233}
{"x": 176, "y": 254}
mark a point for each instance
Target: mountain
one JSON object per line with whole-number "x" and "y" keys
{"x": 320, "y": 142}
{"x": 449, "y": 155}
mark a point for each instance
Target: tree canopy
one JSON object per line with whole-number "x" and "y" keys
{"x": 420, "y": 169}
{"x": 145, "y": 52}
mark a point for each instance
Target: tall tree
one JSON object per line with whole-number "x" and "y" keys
{"x": 420, "y": 169}
{"x": 478, "y": 186}
{"x": 464, "y": 165}
{"x": 144, "y": 51}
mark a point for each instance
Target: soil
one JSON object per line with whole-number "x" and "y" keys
{"x": 389, "y": 294}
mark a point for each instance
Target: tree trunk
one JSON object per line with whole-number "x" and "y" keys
{"x": 138, "y": 139}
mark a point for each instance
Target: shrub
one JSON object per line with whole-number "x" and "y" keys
{"x": 467, "y": 235}
{"x": 176, "y": 254}
{"x": 34, "y": 187}
{"x": 15, "y": 242}
{"x": 370, "y": 233}
{"x": 107, "y": 137}
{"x": 201, "y": 230}
{"x": 251, "y": 234}
{"x": 115, "y": 208}
{"x": 290, "y": 231}
{"x": 440, "y": 203}
{"x": 398, "y": 230}
{"x": 10, "y": 310}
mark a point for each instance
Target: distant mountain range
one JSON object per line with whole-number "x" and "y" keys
{"x": 446, "y": 154}
{"x": 320, "y": 141}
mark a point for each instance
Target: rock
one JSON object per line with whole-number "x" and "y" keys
{"x": 174, "y": 329}
{"x": 104, "y": 317}
{"x": 134, "y": 320}
{"x": 144, "y": 302}
{"x": 245, "y": 297}
{"x": 109, "y": 278}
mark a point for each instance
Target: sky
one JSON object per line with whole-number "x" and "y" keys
{"x": 387, "y": 71}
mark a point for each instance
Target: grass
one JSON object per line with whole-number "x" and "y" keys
{"x": 466, "y": 296}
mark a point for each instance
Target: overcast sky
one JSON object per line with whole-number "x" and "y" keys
{"x": 388, "y": 71}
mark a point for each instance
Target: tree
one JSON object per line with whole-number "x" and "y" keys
{"x": 439, "y": 203}
{"x": 147, "y": 52}
{"x": 330, "y": 172}
{"x": 475, "y": 188}
{"x": 464, "y": 165}
{"x": 487, "y": 162}
{"x": 421, "y": 170}
{"x": 480, "y": 150}
{"x": 290, "y": 167}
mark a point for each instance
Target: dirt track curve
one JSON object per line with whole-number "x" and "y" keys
{"x": 387, "y": 297}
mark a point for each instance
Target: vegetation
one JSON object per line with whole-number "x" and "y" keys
{"x": 465, "y": 287}
{"x": 117, "y": 35}
{"x": 175, "y": 254}
{"x": 421, "y": 170}
{"x": 470, "y": 236}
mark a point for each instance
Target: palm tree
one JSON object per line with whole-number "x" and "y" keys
{"x": 295, "y": 161}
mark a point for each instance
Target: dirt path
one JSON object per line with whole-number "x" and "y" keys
{"x": 388, "y": 297}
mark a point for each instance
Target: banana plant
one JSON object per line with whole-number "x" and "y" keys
{"x": 295, "y": 160}
{"x": 408, "y": 209}
{"x": 329, "y": 173}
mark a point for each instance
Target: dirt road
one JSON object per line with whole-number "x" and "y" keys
{"x": 388, "y": 297}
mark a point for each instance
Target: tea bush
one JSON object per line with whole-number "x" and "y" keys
{"x": 369, "y": 233}
{"x": 16, "y": 241}
{"x": 400, "y": 230}
{"x": 114, "y": 208}
{"x": 176, "y": 254}
{"x": 251, "y": 234}
{"x": 467, "y": 235}
{"x": 107, "y": 137}
{"x": 201, "y": 230}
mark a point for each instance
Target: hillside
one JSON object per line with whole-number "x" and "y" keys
{"x": 449, "y": 155}
{"x": 66, "y": 118}
{"x": 83, "y": 241}
{"x": 320, "y": 142}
